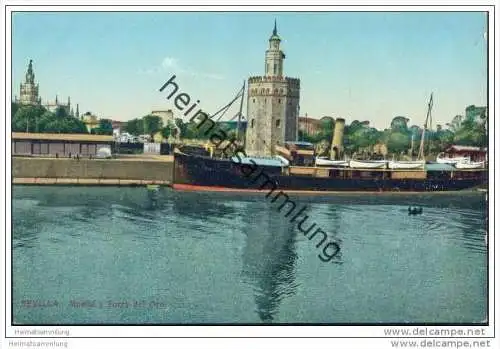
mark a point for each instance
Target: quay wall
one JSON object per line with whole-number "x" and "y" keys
{"x": 116, "y": 169}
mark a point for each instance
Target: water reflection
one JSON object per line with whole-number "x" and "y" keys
{"x": 269, "y": 258}
{"x": 474, "y": 227}
{"x": 200, "y": 205}
{"x": 234, "y": 258}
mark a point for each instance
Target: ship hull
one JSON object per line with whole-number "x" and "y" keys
{"x": 192, "y": 171}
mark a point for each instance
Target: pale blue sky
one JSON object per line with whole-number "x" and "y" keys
{"x": 365, "y": 66}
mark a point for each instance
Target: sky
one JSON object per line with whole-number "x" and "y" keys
{"x": 356, "y": 65}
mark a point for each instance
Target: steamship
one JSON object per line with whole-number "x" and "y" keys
{"x": 195, "y": 170}
{"x": 296, "y": 167}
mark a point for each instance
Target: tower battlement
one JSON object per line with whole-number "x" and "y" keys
{"x": 293, "y": 82}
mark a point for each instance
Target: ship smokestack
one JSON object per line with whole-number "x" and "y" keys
{"x": 338, "y": 140}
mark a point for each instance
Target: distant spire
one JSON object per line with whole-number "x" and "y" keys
{"x": 77, "y": 111}
{"x": 275, "y": 30}
{"x": 69, "y": 101}
{"x": 30, "y": 76}
{"x": 56, "y": 100}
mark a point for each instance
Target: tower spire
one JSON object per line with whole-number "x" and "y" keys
{"x": 275, "y": 30}
{"x": 30, "y": 76}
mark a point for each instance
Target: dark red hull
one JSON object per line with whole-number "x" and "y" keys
{"x": 195, "y": 172}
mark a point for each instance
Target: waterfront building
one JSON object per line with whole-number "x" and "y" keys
{"x": 60, "y": 144}
{"x": 309, "y": 126}
{"x": 475, "y": 153}
{"x": 272, "y": 104}
{"x": 167, "y": 116}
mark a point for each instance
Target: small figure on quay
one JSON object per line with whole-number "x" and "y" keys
{"x": 415, "y": 210}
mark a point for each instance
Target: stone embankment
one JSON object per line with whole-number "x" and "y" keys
{"x": 122, "y": 171}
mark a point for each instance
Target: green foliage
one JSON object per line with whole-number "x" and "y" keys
{"x": 398, "y": 142}
{"x": 359, "y": 136}
{"x": 166, "y": 131}
{"x": 152, "y": 124}
{"x": 471, "y": 133}
{"x": 149, "y": 124}
{"x": 38, "y": 119}
{"x": 399, "y": 124}
{"x": 135, "y": 127}
{"x": 13, "y": 108}
{"x": 456, "y": 123}
{"x": 316, "y": 138}
{"x": 105, "y": 128}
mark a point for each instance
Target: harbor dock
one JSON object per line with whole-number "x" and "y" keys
{"x": 123, "y": 171}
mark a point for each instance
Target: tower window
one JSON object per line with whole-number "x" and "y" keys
{"x": 254, "y": 100}
{"x": 278, "y": 123}
{"x": 279, "y": 100}
{"x": 252, "y": 123}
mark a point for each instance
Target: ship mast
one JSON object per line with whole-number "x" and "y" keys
{"x": 421, "y": 155}
{"x": 238, "y": 130}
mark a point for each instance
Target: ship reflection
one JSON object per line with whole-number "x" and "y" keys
{"x": 269, "y": 258}
{"x": 196, "y": 205}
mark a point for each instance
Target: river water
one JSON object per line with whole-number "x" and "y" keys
{"x": 108, "y": 255}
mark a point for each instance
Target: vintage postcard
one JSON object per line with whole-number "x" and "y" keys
{"x": 228, "y": 172}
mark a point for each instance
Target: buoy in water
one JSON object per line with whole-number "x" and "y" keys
{"x": 414, "y": 210}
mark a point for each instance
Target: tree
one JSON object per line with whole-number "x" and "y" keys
{"x": 35, "y": 118}
{"x": 61, "y": 113}
{"x": 105, "y": 127}
{"x": 398, "y": 142}
{"x": 455, "y": 123}
{"x": 183, "y": 128}
{"x": 400, "y": 124}
{"x": 26, "y": 118}
{"x": 13, "y": 109}
{"x": 152, "y": 124}
{"x": 135, "y": 127}
{"x": 166, "y": 131}
{"x": 471, "y": 132}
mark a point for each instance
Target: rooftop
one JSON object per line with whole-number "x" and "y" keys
{"x": 465, "y": 148}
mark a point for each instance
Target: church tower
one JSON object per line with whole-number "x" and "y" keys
{"x": 272, "y": 104}
{"x": 29, "y": 91}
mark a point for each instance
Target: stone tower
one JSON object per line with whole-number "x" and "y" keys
{"x": 272, "y": 104}
{"x": 29, "y": 91}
